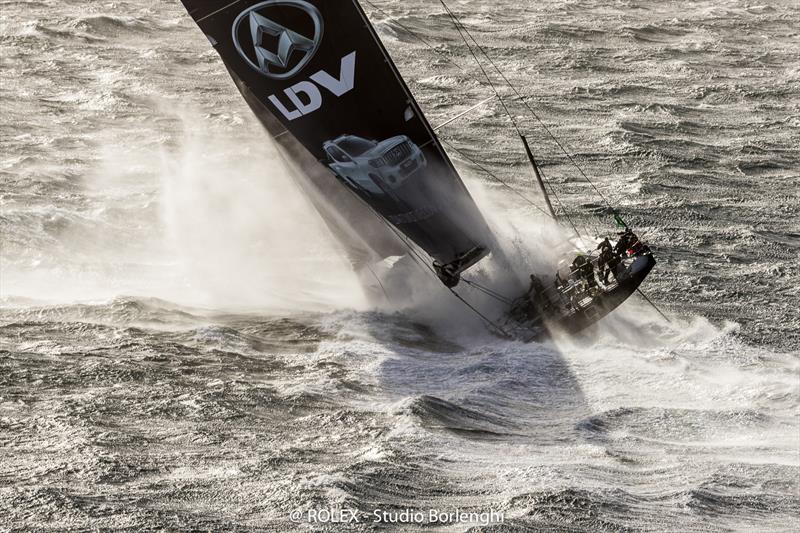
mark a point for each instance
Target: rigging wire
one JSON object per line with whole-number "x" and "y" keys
{"x": 498, "y": 329}
{"x": 374, "y": 275}
{"x": 459, "y": 27}
{"x": 416, "y": 256}
{"x": 464, "y": 33}
{"x": 512, "y": 189}
{"x": 462, "y": 30}
{"x": 421, "y": 261}
{"x": 654, "y": 306}
{"x": 494, "y": 176}
{"x": 457, "y": 21}
{"x": 473, "y": 108}
{"x": 562, "y": 205}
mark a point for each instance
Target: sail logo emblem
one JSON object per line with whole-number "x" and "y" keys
{"x": 276, "y": 51}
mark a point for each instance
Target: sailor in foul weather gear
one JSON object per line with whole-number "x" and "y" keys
{"x": 583, "y": 270}
{"x": 536, "y": 286}
{"x": 537, "y": 293}
{"x": 605, "y": 245}
{"x": 628, "y": 240}
{"x": 447, "y": 274}
{"x": 622, "y": 243}
{"x": 605, "y": 260}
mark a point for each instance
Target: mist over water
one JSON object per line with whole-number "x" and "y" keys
{"x": 224, "y": 228}
{"x": 183, "y": 345}
{"x": 243, "y": 232}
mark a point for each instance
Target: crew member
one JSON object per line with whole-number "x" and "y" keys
{"x": 604, "y": 245}
{"x": 626, "y": 239}
{"x": 538, "y": 295}
{"x": 583, "y": 269}
{"x": 536, "y": 286}
{"x": 604, "y": 261}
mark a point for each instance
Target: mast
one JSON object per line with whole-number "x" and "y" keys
{"x": 539, "y": 177}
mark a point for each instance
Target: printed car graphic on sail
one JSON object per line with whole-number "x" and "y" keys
{"x": 371, "y": 166}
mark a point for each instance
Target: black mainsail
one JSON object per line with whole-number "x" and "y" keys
{"x": 319, "y": 79}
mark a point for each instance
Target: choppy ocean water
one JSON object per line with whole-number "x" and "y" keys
{"x": 181, "y": 347}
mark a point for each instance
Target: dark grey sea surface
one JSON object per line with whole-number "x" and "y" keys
{"x": 183, "y": 348}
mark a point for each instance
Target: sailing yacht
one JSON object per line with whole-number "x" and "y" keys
{"x": 319, "y": 79}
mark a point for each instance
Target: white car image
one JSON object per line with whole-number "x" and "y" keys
{"x": 372, "y": 166}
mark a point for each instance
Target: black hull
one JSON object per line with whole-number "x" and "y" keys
{"x": 604, "y": 303}
{"x": 551, "y": 311}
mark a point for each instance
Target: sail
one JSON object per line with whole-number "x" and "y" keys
{"x": 319, "y": 79}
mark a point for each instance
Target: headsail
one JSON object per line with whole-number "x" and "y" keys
{"x": 318, "y": 77}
